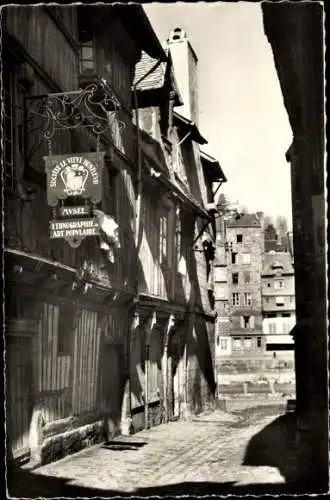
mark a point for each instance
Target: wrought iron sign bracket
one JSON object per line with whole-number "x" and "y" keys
{"x": 94, "y": 107}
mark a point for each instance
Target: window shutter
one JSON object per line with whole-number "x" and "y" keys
{"x": 242, "y": 321}
{"x": 252, "y": 322}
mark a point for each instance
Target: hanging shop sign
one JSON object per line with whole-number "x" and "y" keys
{"x": 74, "y": 187}
{"x": 74, "y": 176}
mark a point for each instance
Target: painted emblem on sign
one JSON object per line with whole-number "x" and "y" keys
{"x": 74, "y": 179}
{"x": 74, "y": 176}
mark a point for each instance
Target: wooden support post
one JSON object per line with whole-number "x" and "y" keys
{"x": 126, "y": 420}
{"x": 169, "y": 326}
{"x": 150, "y": 323}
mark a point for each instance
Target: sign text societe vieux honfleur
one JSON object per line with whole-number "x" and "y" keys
{"x": 74, "y": 177}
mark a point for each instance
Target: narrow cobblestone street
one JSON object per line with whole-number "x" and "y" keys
{"x": 210, "y": 455}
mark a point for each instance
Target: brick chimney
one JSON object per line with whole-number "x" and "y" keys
{"x": 185, "y": 70}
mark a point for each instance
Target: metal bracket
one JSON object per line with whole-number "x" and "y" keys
{"x": 94, "y": 107}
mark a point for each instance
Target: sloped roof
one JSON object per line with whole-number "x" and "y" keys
{"x": 273, "y": 260}
{"x": 154, "y": 80}
{"x": 244, "y": 220}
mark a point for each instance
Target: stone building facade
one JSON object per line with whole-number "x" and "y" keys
{"x": 238, "y": 289}
{"x": 278, "y": 305}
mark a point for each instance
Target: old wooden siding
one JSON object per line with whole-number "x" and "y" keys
{"x": 148, "y": 254}
{"x": 38, "y": 35}
{"x": 51, "y": 371}
{"x": 18, "y": 392}
{"x": 87, "y": 336}
{"x": 125, "y": 255}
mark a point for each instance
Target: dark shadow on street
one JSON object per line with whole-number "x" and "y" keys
{"x": 28, "y": 485}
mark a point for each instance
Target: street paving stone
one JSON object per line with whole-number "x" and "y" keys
{"x": 208, "y": 449}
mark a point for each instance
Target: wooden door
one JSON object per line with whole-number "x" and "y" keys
{"x": 18, "y": 394}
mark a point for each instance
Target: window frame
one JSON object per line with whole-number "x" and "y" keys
{"x": 90, "y": 44}
{"x": 235, "y": 303}
{"x": 247, "y": 299}
{"x": 278, "y": 282}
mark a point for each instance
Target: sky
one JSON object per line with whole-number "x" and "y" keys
{"x": 241, "y": 110}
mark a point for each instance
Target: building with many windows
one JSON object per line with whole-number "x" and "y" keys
{"x": 238, "y": 288}
{"x": 278, "y": 303}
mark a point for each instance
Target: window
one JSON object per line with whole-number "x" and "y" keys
{"x": 163, "y": 233}
{"x": 279, "y": 284}
{"x": 286, "y": 315}
{"x": 246, "y": 321}
{"x": 235, "y": 278}
{"x": 178, "y": 230}
{"x": 271, "y": 315}
{"x": 239, "y": 238}
{"x": 286, "y": 327}
{"x": 269, "y": 285}
{"x": 235, "y": 299}
{"x": 87, "y": 56}
{"x": 280, "y": 301}
{"x": 223, "y": 344}
{"x": 237, "y": 343}
{"x": 246, "y": 258}
{"x": 247, "y": 277}
{"x": 248, "y": 343}
{"x": 272, "y": 327}
{"x": 259, "y": 342}
{"x": 233, "y": 257}
{"x": 247, "y": 299}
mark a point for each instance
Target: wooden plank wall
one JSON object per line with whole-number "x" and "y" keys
{"x": 51, "y": 372}
{"x": 18, "y": 392}
{"x": 86, "y": 363}
{"x": 56, "y": 394}
{"x": 38, "y": 35}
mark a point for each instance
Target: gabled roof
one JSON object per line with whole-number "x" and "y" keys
{"x": 244, "y": 220}
{"x": 189, "y": 126}
{"x": 212, "y": 168}
{"x": 277, "y": 260}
